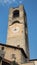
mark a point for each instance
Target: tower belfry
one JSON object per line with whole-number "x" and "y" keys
{"x": 17, "y": 29}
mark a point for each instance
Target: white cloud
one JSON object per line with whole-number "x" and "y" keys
{"x": 8, "y": 2}
{"x": 20, "y": 1}
{"x": 5, "y": 1}
{"x": 13, "y": 0}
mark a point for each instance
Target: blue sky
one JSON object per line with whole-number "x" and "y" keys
{"x": 31, "y": 10}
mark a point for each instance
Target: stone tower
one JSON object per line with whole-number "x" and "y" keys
{"x": 17, "y": 29}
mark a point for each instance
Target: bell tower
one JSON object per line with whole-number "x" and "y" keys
{"x": 17, "y": 29}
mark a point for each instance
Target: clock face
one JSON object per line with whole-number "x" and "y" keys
{"x": 15, "y": 29}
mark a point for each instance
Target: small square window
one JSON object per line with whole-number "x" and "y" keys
{"x": 13, "y": 56}
{"x": 2, "y": 48}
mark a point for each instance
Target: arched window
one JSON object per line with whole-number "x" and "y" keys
{"x": 16, "y": 13}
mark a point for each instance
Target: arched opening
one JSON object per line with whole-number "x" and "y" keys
{"x": 16, "y": 13}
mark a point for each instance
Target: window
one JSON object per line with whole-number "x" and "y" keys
{"x": 2, "y": 48}
{"x": 13, "y": 56}
{"x": 2, "y": 52}
{"x": 16, "y": 13}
